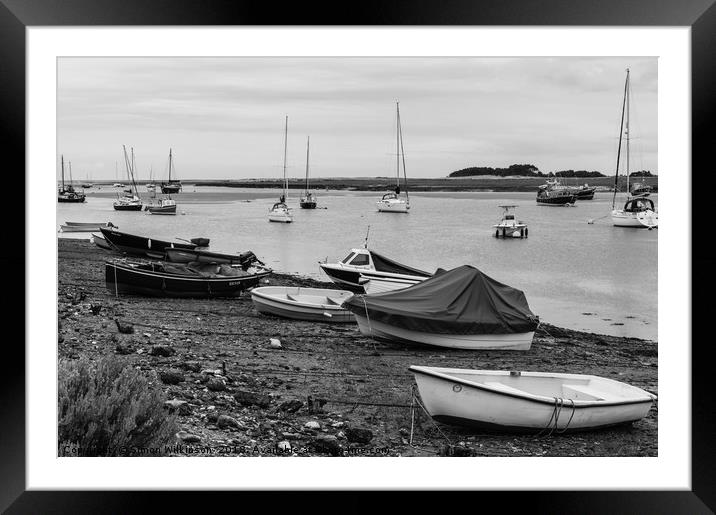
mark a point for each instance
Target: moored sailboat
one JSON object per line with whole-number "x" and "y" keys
{"x": 66, "y": 192}
{"x": 308, "y": 200}
{"x": 280, "y": 212}
{"x": 392, "y": 202}
{"x": 638, "y": 211}
{"x": 164, "y": 206}
{"x": 130, "y": 201}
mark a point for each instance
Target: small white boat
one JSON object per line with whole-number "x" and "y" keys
{"x": 303, "y": 303}
{"x": 100, "y": 242}
{"x": 84, "y": 226}
{"x": 528, "y": 401}
{"x": 280, "y": 212}
{"x": 392, "y": 202}
{"x": 509, "y": 226}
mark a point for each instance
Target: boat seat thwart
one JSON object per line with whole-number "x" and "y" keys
{"x": 332, "y": 302}
{"x": 503, "y": 387}
{"x": 581, "y": 393}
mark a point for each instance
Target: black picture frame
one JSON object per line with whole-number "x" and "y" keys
{"x": 699, "y": 15}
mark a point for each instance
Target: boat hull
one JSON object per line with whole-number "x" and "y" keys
{"x": 81, "y": 228}
{"x": 100, "y": 242}
{"x": 120, "y": 278}
{"x": 140, "y": 245}
{"x": 162, "y": 210}
{"x": 308, "y": 205}
{"x": 302, "y": 303}
{"x": 171, "y": 188}
{"x": 380, "y": 330}
{"x": 72, "y": 200}
{"x": 128, "y": 207}
{"x": 392, "y": 207}
{"x": 202, "y": 256}
{"x": 556, "y": 201}
{"x": 511, "y": 231}
{"x": 637, "y": 220}
{"x": 375, "y": 283}
{"x": 503, "y": 405}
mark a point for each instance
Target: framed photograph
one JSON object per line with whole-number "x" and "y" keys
{"x": 473, "y": 265}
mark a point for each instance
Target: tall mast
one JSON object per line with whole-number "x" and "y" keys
{"x": 70, "y": 164}
{"x": 308, "y": 145}
{"x": 628, "y": 95}
{"x": 402, "y": 152}
{"x": 170, "y": 165}
{"x": 397, "y": 144}
{"x": 621, "y": 132}
{"x": 285, "y": 146}
{"x": 62, "y": 157}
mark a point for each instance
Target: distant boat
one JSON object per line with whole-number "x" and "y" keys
{"x": 280, "y": 212}
{"x": 66, "y": 193}
{"x": 509, "y": 226}
{"x": 299, "y": 303}
{"x": 176, "y": 280}
{"x": 308, "y": 200}
{"x": 364, "y": 269}
{"x": 460, "y": 309}
{"x": 172, "y": 185}
{"x": 130, "y": 201}
{"x": 640, "y": 189}
{"x": 638, "y": 211}
{"x": 164, "y": 206}
{"x": 584, "y": 192}
{"x": 392, "y": 202}
{"x": 550, "y": 197}
{"x": 528, "y": 401}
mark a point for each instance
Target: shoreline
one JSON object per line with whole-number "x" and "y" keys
{"x": 357, "y": 390}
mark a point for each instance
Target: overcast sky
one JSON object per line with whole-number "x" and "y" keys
{"x": 224, "y": 117}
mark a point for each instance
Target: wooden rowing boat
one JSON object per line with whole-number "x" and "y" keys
{"x": 314, "y": 304}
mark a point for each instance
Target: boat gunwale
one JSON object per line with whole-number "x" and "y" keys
{"x": 152, "y": 273}
{"x": 336, "y": 307}
{"x": 578, "y": 404}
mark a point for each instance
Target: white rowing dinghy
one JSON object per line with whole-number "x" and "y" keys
{"x": 528, "y": 401}
{"x": 303, "y": 303}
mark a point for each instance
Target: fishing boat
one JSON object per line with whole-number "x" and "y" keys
{"x": 509, "y": 226}
{"x": 84, "y": 226}
{"x": 460, "y": 309}
{"x": 143, "y": 246}
{"x": 640, "y": 189}
{"x": 176, "y": 255}
{"x": 308, "y": 199}
{"x": 583, "y": 192}
{"x": 176, "y": 280}
{"x": 364, "y": 266}
{"x": 314, "y": 304}
{"x": 67, "y": 193}
{"x": 130, "y": 201}
{"x": 392, "y": 202}
{"x": 280, "y": 212}
{"x": 638, "y": 212}
{"x": 547, "y": 196}
{"x": 100, "y": 242}
{"x": 528, "y": 401}
{"x": 172, "y": 185}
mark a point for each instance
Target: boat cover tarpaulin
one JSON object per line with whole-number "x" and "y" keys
{"x": 383, "y": 264}
{"x": 458, "y": 301}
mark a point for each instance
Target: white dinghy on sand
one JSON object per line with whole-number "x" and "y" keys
{"x": 528, "y": 401}
{"x": 315, "y": 304}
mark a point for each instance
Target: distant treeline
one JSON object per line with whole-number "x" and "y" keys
{"x": 525, "y": 170}
{"x": 642, "y": 173}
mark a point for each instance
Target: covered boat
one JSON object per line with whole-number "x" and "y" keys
{"x": 176, "y": 280}
{"x": 528, "y": 401}
{"x": 303, "y": 303}
{"x": 143, "y": 246}
{"x": 460, "y": 308}
{"x": 363, "y": 265}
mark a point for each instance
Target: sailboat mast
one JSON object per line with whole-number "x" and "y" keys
{"x": 70, "y": 165}
{"x": 308, "y": 145}
{"x": 397, "y": 144}
{"x": 170, "y": 166}
{"x": 402, "y": 152}
{"x": 621, "y": 132}
{"x": 285, "y": 147}
{"x": 628, "y": 95}
{"x": 62, "y": 158}
{"x": 134, "y": 184}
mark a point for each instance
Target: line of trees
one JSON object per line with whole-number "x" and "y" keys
{"x": 516, "y": 169}
{"x": 578, "y": 173}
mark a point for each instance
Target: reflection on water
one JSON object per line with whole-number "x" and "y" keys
{"x": 578, "y": 275}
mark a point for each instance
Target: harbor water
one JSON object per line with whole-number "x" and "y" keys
{"x": 591, "y": 277}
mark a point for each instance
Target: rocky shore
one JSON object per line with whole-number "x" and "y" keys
{"x": 244, "y": 384}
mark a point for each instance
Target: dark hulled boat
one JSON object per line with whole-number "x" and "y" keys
{"x": 174, "y": 255}
{"x": 308, "y": 199}
{"x": 66, "y": 193}
{"x": 553, "y": 197}
{"x": 173, "y": 280}
{"x": 585, "y": 192}
{"x": 143, "y": 246}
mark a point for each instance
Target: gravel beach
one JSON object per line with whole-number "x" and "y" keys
{"x": 327, "y": 390}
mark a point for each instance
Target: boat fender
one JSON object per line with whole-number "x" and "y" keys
{"x": 515, "y": 373}
{"x": 456, "y": 388}
{"x": 149, "y": 243}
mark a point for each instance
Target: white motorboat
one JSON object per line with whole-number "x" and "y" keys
{"x": 280, "y": 212}
{"x": 638, "y": 211}
{"x": 509, "y": 226}
{"x": 363, "y": 267}
{"x": 315, "y": 304}
{"x": 460, "y": 309}
{"x": 528, "y": 401}
{"x": 392, "y": 202}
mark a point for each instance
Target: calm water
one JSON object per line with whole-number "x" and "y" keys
{"x": 593, "y": 277}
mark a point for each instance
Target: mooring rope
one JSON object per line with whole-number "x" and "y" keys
{"x": 556, "y": 411}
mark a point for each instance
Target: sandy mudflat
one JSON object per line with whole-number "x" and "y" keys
{"x": 357, "y": 390}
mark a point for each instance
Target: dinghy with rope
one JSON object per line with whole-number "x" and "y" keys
{"x": 316, "y": 304}
{"x": 528, "y": 401}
